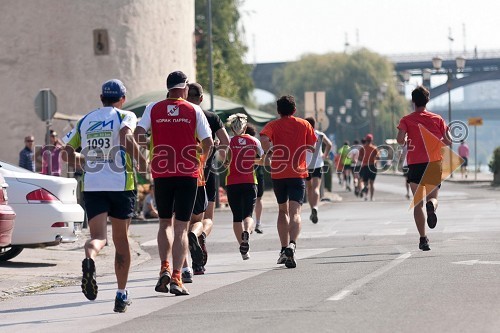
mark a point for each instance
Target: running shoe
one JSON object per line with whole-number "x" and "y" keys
{"x": 314, "y": 216}
{"x": 195, "y": 248}
{"x": 258, "y": 229}
{"x": 121, "y": 302}
{"x": 290, "y": 256}
{"x": 177, "y": 288}
{"x": 89, "y": 284}
{"x": 431, "y": 215}
{"x": 244, "y": 246}
{"x": 163, "y": 281}
{"x": 187, "y": 276}
{"x": 282, "y": 258}
{"x": 245, "y": 256}
{"x": 424, "y": 244}
{"x": 198, "y": 270}
{"x": 202, "y": 239}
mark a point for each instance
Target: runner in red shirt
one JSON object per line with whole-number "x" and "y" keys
{"x": 175, "y": 126}
{"x": 241, "y": 180}
{"x": 424, "y": 158}
{"x": 368, "y": 155}
{"x": 290, "y": 138}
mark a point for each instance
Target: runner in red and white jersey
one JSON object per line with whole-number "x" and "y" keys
{"x": 241, "y": 180}
{"x": 175, "y": 126}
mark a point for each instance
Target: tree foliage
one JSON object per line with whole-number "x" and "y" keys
{"x": 346, "y": 76}
{"x": 232, "y": 77}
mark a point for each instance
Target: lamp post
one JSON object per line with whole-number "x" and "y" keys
{"x": 460, "y": 63}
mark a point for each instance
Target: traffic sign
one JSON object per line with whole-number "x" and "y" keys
{"x": 45, "y": 104}
{"x": 475, "y": 121}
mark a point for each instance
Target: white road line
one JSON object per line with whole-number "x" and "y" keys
{"x": 363, "y": 281}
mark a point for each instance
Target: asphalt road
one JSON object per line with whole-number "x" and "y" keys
{"x": 358, "y": 270}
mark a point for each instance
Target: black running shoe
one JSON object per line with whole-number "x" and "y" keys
{"x": 163, "y": 281}
{"x": 121, "y": 302}
{"x": 198, "y": 270}
{"x": 195, "y": 248}
{"x": 202, "y": 239}
{"x": 314, "y": 216}
{"x": 290, "y": 256}
{"x": 431, "y": 215}
{"x": 258, "y": 229}
{"x": 424, "y": 244}
{"x": 244, "y": 246}
{"x": 89, "y": 284}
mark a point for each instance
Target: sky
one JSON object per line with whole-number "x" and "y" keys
{"x": 283, "y": 30}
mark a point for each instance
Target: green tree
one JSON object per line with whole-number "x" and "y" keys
{"x": 232, "y": 77}
{"x": 347, "y": 76}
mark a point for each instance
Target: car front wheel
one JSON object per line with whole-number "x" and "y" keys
{"x": 9, "y": 252}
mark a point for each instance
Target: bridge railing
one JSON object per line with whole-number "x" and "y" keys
{"x": 427, "y": 56}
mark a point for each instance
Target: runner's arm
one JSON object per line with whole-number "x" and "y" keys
{"x": 73, "y": 158}
{"x": 328, "y": 147}
{"x": 223, "y": 143}
{"x": 447, "y": 138}
{"x": 401, "y": 138}
{"x": 133, "y": 149}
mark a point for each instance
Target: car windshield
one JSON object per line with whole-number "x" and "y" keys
{"x": 14, "y": 168}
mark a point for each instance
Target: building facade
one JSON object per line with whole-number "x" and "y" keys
{"x": 73, "y": 46}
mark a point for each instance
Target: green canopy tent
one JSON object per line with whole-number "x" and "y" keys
{"x": 222, "y": 106}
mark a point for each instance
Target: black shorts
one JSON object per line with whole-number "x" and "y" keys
{"x": 260, "y": 185}
{"x": 210, "y": 186}
{"x": 425, "y": 173}
{"x": 118, "y": 204}
{"x": 289, "y": 189}
{"x": 368, "y": 172}
{"x": 356, "y": 169}
{"x": 201, "y": 202}
{"x": 175, "y": 194}
{"x": 466, "y": 161}
{"x": 241, "y": 198}
{"x": 314, "y": 173}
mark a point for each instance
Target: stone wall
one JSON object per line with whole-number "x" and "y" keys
{"x": 51, "y": 44}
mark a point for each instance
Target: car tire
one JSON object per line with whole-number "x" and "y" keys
{"x": 9, "y": 252}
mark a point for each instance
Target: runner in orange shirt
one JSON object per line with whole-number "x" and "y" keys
{"x": 290, "y": 138}
{"x": 368, "y": 154}
{"x": 424, "y": 159}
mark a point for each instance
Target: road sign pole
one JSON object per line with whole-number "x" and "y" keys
{"x": 475, "y": 153}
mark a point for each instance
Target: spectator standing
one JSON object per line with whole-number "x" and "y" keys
{"x": 290, "y": 137}
{"x": 463, "y": 152}
{"x": 51, "y": 156}
{"x": 26, "y": 157}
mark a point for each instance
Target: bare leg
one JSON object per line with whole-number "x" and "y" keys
{"x": 295, "y": 220}
{"x": 258, "y": 209}
{"x": 98, "y": 235}
{"x": 371, "y": 186}
{"x": 313, "y": 191}
{"x": 122, "y": 251}
{"x": 418, "y": 210}
{"x": 180, "y": 244}
{"x": 283, "y": 222}
{"x": 165, "y": 238}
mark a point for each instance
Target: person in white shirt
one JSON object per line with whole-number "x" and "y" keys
{"x": 105, "y": 136}
{"x": 314, "y": 164}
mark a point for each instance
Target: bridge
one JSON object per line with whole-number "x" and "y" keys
{"x": 479, "y": 67}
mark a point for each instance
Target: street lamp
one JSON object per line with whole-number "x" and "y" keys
{"x": 460, "y": 63}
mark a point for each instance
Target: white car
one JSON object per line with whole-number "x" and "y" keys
{"x": 46, "y": 207}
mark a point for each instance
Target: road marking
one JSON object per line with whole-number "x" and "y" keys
{"x": 474, "y": 262}
{"x": 363, "y": 281}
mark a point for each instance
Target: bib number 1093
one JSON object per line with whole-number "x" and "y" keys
{"x": 99, "y": 143}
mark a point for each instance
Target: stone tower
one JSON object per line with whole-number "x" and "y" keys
{"x": 73, "y": 46}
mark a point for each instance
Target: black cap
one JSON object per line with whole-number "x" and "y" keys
{"x": 176, "y": 80}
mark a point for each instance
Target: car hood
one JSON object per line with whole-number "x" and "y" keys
{"x": 63, "y": 188}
